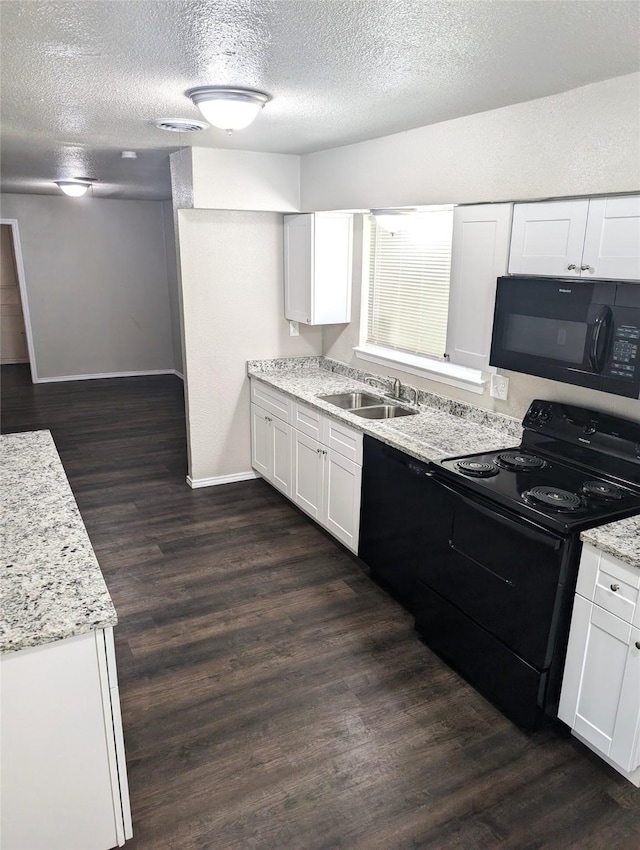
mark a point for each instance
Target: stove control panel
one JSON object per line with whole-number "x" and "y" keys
{"x": 580, "y": 426}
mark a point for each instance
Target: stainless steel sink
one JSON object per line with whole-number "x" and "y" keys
{"x": 382, "y": 411}
{"x": 350, "y": 400}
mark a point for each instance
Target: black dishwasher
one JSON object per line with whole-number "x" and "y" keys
{"x": 405, "y": 519}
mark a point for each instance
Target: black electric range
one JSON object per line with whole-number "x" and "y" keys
{"x": 495, "y": 575}
{"x": 574, "y": 469}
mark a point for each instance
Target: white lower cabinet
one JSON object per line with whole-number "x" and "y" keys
{"x": 326, "y": 485}
{"x": 271, "y": 448}
{"x": 64, "y": 778}
{"x": 600, "y": 698}
{"x": 316, "y": 461}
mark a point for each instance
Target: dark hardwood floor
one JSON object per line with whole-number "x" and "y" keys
{"x": 273, "y": 697}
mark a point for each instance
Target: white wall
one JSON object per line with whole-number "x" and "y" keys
{"x": 170, "y": 247}
{"x": 582, "y": 142}
{"x": 96, "y": 279}
{"x": 233, "y": 311}
{"x": 245, "y": 180}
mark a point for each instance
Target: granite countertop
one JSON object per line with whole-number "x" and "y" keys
{"x": 51, "y": 584}
{"x": 620, "y": 539}
{"x": 443, "y": 427}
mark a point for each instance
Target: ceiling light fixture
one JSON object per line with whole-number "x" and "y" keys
{"x": 227, "y": 108}
{"x": 73, "y": 188}
{"x": 393, "y": 221}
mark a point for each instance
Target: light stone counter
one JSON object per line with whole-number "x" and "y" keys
{"x": 51, "y": 584}
{"x": 443, "y": 428}
{"x": 620, "y": 539}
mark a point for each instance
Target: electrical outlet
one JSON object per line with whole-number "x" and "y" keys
{"x": 499, "y": 387}
{"x": 294, "y": 328}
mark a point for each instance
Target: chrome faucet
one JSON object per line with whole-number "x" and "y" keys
{"x": 370, "y": 379}
{"x": 414, "y": 391}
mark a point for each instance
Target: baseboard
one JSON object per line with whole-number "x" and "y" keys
{"x": 196, "y": 483}
{"x": 100, "y": 375}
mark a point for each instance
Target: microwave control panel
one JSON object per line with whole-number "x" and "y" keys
{"x": 624, "y": 353}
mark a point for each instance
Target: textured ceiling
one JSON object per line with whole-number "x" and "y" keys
{"x": 82, "y": 81}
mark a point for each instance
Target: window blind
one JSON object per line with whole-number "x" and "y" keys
{"x": 409, "y": 276}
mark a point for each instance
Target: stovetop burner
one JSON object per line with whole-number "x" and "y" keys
{"x": 519, "y": 462}
{"x": 476, "y": 468}
{"x": 553, "y": 497}
{"x": 603, "y": 490}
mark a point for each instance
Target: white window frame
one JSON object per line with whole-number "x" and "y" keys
{"x": 421, "y": 365}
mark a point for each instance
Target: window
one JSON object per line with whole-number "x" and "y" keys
{"x": 408, "y": 284}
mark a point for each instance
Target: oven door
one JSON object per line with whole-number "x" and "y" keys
{"x": 496, "y": 606}
{"x": 559, "y": 329}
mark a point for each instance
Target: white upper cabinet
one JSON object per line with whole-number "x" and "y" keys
{"x": 598, "y": 238}
{"x": 612, "y": 240}
{"x": 317, "y": 267}
{"x": 479, "y": 255}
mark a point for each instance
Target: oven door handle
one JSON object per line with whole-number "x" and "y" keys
{"x": 597, "y": 351}
{"x": 522, "y": 526}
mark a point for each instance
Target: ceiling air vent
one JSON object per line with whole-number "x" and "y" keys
{"x": 179, "y": 125}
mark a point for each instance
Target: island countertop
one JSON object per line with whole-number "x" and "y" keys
{"x": 52, "y": 586}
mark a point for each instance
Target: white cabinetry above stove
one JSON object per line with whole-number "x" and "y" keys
{"x": 600, "y": 697}
{"x": 596, "y": 238}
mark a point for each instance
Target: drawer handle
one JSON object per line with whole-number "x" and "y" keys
{"x": 615, "y": 587}
{"x": 638, "y": 644}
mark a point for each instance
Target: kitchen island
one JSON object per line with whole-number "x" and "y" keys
{"x": 63, "y": 765}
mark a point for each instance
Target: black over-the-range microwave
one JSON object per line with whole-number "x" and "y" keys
{"x": 583, "y": 332}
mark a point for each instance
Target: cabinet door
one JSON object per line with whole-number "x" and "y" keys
{"x": 612, "y": 240}
{"x": 597, "y": 658}
{"x": 547, "y": 238}
{"x": 332, "y": 269}
{"x": 307, "y": 474}
{"x": 298, "y": 267}
{"x": 479, "y": 256}
{"x": 280, "y": 439}
{"x": 625, "y": 746}
{"x": 341, "y": 506}
{"x": 260, "y": 442}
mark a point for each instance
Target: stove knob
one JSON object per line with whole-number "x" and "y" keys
{"x": 591, "y": 427}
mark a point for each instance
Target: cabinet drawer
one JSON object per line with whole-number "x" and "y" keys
{"x": 307, "y": 421}
{"x": 342, "y": 439}
{"x": 271, "y": 400}
{"x": 610, "y": 583}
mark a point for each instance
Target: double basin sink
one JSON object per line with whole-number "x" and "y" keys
{"x": 367, "y": 406}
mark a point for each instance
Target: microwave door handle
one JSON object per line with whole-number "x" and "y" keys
{"x": 598, "y": 351}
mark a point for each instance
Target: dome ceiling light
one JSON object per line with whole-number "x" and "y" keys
{"x": 228, "y": 108}
{"x": 74, "y": 188}
{"x": 393, "y": 221}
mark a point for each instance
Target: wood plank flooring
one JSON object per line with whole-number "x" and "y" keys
{"x": 273, "y": 697}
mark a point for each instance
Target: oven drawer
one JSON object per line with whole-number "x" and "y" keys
{"x": 503, "y": 573}
{"x": 508, "y": 681}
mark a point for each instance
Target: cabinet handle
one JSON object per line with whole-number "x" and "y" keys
{"x": 615, "y": 587}
{"x": 571, "y": 267}
{"x": 268, "y": 419}
{"x": 638, "y": 644}
{"x": 585, "y": 268}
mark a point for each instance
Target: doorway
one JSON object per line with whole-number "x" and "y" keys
{"x": 16, "y": 342}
